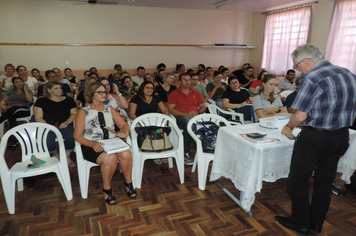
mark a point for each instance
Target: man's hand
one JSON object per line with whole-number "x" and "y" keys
{"x": 192, "y": 114}
{"x": 286, "y": 131}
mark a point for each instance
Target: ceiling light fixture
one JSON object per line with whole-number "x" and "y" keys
{"x": 222, "y": 3}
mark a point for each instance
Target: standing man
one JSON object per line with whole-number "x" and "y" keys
{"x": 288, "y": 82}
{"x": 185, "y": 103}
{"x": 325, "y": 107}
{"x": 139, "y": 78}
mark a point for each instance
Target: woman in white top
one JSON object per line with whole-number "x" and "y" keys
{"x": 5, "y": 80}
{"x": 90, "y": 128}
{"x": 29, "y": 80}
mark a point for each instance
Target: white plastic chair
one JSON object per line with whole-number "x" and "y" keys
{"x": 84, "y": 167}
{"x": 33, "y": 140}
{"x": 23, "y": 119}
{"x": 201, "y": 158}
{"x": 213, "y": 109}
{"x": 176, "y": 137}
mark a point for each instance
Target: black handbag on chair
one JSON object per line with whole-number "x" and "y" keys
{"x": 153, "y": 138}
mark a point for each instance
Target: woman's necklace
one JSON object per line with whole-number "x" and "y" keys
{"x": 147, "y": 101}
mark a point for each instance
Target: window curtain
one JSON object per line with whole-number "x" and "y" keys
{"x": 341, "y": 46}
{"x": 284, "y": 32}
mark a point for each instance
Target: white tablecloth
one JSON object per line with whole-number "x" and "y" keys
{"x": 247, "y": 164}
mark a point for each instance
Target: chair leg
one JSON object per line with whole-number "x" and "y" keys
{"x": 9, "y": 185}
{"x": 195, "y": 163}
{"x": 180, "y": 166}
{"x": 170, "y": 162}
{"x": 20, "y": 184}
{"x": 64, "y": 179}
{"x": 202, "y": 173}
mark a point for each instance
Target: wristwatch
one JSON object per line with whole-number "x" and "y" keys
{"x": 290, "y": 128}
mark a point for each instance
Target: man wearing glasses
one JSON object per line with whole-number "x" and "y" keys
{"x": 51, "y": 75}
{"x": 185, "y": 103}
{"x": 325, "y": 107}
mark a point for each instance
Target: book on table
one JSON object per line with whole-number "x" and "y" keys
{"x": 257, "y": 138}
{"x": 114, "y": 145}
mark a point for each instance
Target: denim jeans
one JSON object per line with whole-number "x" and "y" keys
{"x": 182, "y": 123}
{"x": 67, "y": 134}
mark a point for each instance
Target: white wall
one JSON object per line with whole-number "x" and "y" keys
{"x": 58, "y": 22}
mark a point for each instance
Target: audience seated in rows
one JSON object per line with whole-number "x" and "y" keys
{"x": 239, "y": 73}
{"x": 37, "y": 74}
{"x": 267, "y": 103}
{"x": 199, "y": 87}
{"x": 80, "y": 101}
{"x": 258, "y": 82}
{"x": 151, "y": 78}
{"x": 58, "y": 110}
{"x": 16, "y": 103}
{"x": 247, "y": 78}
{"x": 210, "y": 74}
{"x": 185, "y": 103}
{"x": 88, "y": 132}
{"x": 202, "y": 80}
{"x": 216, "y": 89}
{"x": 29, "y": 80}
{"x": 225, "y": 75}
{"x": 237, "y": 98}
{"x": 138, "y": 79}
{"x": 288, "y": 83}
{"x": 166, "y": 88}
{"x": 51, "y": 76}
{"x": 176, "y": 79}
{"x": 291, "y": 97}
{"x": 114, "y": 98}
{"x": 180, "y": 68}
{"x": 115, "y": 78}
{"x": 128, "y": 88}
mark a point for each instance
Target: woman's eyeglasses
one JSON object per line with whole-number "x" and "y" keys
{"x": 101, "y": 92}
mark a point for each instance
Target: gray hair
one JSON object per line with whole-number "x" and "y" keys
{"x": 307, "y": 51}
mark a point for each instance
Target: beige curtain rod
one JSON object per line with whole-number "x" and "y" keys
{"x": 290, "y": 8}
{"x": 104, "y": 44}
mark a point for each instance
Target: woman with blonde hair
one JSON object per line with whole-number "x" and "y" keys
{"x": 90, "y": 127}
{"x": 58, "y": 110}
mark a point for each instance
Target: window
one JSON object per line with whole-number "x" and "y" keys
{"x": 341, "y": 46}
{"x": 284, "y": 32}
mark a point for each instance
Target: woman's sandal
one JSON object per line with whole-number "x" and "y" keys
{"x": 110, "y": 197}
{"x": 129, "y": 190}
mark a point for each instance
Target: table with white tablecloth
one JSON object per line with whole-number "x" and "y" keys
{"x": 247, "y": 164}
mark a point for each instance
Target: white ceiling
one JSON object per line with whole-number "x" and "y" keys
{"x": 238, "y": 6}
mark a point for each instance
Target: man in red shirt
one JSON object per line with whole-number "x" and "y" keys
{"x": 185, "y": 103}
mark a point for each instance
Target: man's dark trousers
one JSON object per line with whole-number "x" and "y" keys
{"x": 317, "y": 151}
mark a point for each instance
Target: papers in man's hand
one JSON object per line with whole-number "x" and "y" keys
{"x": 114, "y": 145}
{"x": 257, "y": 140}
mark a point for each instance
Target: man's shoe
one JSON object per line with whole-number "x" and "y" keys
{"x": 188, "y": 160}
{"x": 285, "y": 222}
{"x": 316, "y": 228}
{"x": 338, "y": 190}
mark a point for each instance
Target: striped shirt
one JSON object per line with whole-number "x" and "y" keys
{"x": 327, "y": 93}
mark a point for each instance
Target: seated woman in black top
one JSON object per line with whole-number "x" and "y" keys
{"x": 60, "y": 111}
{"x": 237, "y": 99}
{"x": 166, "y": 88}
{"x": 146, "y": 102}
